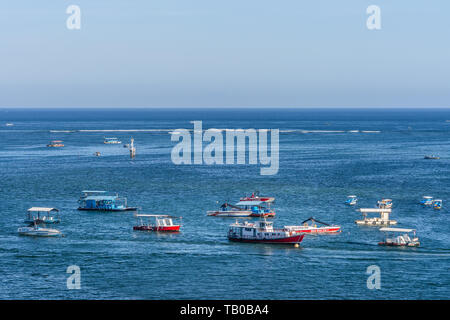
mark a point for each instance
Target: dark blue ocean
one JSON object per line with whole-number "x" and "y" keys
{"x": 325, "y": 155}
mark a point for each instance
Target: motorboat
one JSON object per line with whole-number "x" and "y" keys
{"x": 255, "y": 196}
{"x": 262, "y": 231}
{"x": 101, "y": 201}
{"x": 383, "y": 220}
{"x": 432, "y": 157}
{"x": 351, "y": 200}
{"x": 111, "y": 141}
{"x": 37, "y": 231}
{"x": 384, "y": 203}
{"x": 427, "y": 201}
{"x": 229, "y": 210}
{"x": 403, "y": 240}
{"x": 41, "y": 215}
{"x": 157, "y": 222}
{"x": 55, "y": 144}
{"x": 312, "y": 228}
{"x": 437, "y": 204}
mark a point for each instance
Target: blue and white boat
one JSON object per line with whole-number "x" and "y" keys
{"x": 112, "y": 141}
{"x": 101, "y": 201}
{"x": 427, "y": 201}
{"x": 351, "y": 200}
{"x": 40, "y": 215}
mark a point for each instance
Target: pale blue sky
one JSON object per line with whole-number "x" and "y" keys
{"x": 224, "y": 53}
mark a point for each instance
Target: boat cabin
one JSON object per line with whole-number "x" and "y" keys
{"x": 383, "y": 220}
{"x": 257, "y": 208}
{"x": 404, "y": 239}
{"x": 40, "y": 215}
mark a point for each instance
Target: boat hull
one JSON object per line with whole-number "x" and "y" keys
{"x": 111, "y": 210}
{"x": 39, "y": 232}
{"x": 392, "y": 244}
{"x": 158, "y": 229}
{"x": 313, "y": 230}
{"x": 229, "y": 213}
{"x": 282, "y": 240}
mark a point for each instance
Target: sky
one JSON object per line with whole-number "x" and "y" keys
{"x": 217, "y": 53}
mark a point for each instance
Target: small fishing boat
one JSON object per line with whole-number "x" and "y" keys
{"x": 100, "y": 201}
{"x": 383, "y": 220}
{"x": 41, "y": 215}
{"x": 313, "y": 228}
{"x": 351, "y": 200}
{"x": 111, "y": 141}
{"x": 97, "y": 154}
{"x": 432, "y": 157}
{"x": 437, "y": 204}
{"x": 262, "y": 231}
{"x": 37, "y": 231}
{"x": 256, "y": 197}
{"x": 157, "y": 222}
{"x": 403, "y": 240}
{"x": 10, "y": 124}
{"x": 55, "y": 144}
{"x": 427, "y": 201}
{"x": 384, "y": 203}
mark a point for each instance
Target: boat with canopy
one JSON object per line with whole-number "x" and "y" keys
{"x": 101, "y": 201}
{"x": 403, "y": 239}
{"x": 157, "y": 222}
{"x": 383, "y": 220}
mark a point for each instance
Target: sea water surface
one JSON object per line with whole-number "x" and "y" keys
{"x": 325, "y": 155}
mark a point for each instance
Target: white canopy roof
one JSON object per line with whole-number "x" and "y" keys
{"x": 41, "y": 209}
{"x": 397, "y": 230}
{"x": 367, "y": 210}
{"x": 249, "y": 203}
{"x": 427, "y": 197}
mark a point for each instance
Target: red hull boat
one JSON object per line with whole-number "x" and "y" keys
{"x": 160, "y": 223}
{"x": 262, "y": 232}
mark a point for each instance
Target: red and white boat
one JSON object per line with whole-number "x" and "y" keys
{"x": 262, "y": 232}
{"x": 256, "y": 197}
{"x": 313, "y": 228}
{"x": 157, "y": 222}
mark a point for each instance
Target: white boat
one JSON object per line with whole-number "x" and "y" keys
{"x": 9, "y": 124}
{"x": 37, "y": 231}
{"x": 426, "y": 201}
{"x": 351, "y": 200}
{"x": 383, "y": 220}
{"x": 112, "y": 141}
{"x": 229, "y": 210}
{"x": 403, "y": 240}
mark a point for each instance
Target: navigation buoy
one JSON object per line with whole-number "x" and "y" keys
{"x": 296, "y": 245}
